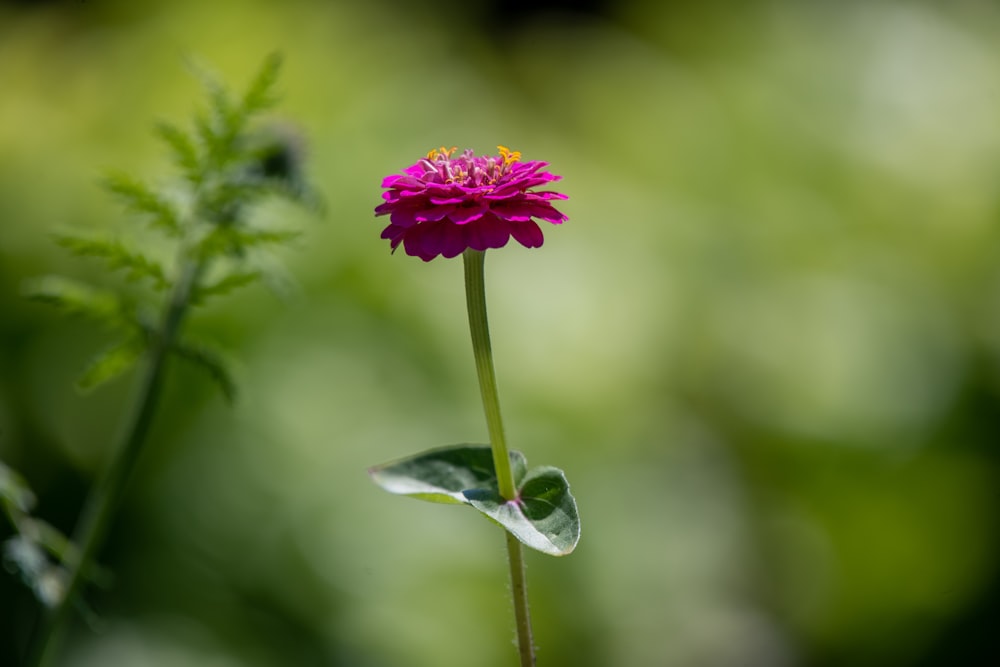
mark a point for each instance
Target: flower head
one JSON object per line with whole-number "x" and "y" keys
{"x": 442, "y": 204}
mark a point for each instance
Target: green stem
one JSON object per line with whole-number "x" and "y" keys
{"x": 475, "y": 296}
{"x": 519, "y": 589}
{"x": 106, "y": 496}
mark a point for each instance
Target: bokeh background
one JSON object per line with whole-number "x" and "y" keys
{"x": 765, "y": 348}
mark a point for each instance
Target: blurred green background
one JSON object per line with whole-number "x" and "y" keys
{"x": 765, "y": 348}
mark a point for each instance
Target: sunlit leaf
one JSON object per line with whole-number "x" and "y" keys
{"x": 544, "y": 516}
{"x": 442, "y": 475}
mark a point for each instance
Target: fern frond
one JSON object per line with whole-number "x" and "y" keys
{"x": 259, "y": 95}
{"x": 253, "y": 238}
{"x": 111, "y": 363}
{"x": 140, "y": 198}
{"x": 184, "y": 150}
{"x": 225, "y": 285}
{"x": 117, "y": 256}
{"x": 78, "y": 298}
{"x": 214, "y": 362}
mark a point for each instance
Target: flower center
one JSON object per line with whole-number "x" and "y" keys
{"x": 466, "y": 168}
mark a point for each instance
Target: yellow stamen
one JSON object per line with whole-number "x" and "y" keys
{"x": 509, "y": 157}
{"x": 441, "y": 152}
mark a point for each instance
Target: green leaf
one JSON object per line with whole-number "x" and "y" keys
{"x": 442, "y": 475}
{"x": 259, "y": 94}
{"x": 236, "y": 241}
{"x": 140, "y": 198}
{"x": 111, "y": 363}
{"x": 544, "y": 516}
{"x": 14, "y": 491}
{"x": 117, "y": 256}
{"x": 213, "y": 362}
{"x": 77, "y": 298}
{"x": 223, "y": 286}
{"x": 184, "y": 150}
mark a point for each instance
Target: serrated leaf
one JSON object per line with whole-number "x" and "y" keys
{"x": 136, "y": 265}
{"x": 236, "y": 241}
{"x": 249, "y": 238}
{"x": 544, "y": 516}
{"x": 110, "y": 364}
{"x": 443, "y": 475}
{"x": 213, "y": 362}
{"x": 77, "y": 298}
{"x": 140, "y": 198}
{"x": 259, "y": 93}
{"x": 224, "y": 285}
{"x": 184, "y": 150}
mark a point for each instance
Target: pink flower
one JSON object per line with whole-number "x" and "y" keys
{"x": 443, "y": 205}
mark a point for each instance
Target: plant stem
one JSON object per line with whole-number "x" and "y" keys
{"x": 475, "y": 296}
{"x": 519, "y": 589}
{"x": 105, "y": 497}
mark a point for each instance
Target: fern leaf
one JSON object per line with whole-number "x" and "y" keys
{"x": 184, "y": 150}
{"x": 78, "y": 298}
{"x": 252, "y": 238}
{"x": 259, "y": 95}
{"x": 236, "y": 241}
{"x": 225, "y": 285}
{"x": 211, "y": 360}
{"x": 117, "y": 256}
{"x": 110, "y": 364}
{"x": 140, "y": 198}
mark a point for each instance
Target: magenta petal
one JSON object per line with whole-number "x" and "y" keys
{"x": 513, "y": 211}
{"x": 433, "y": 214}
{"x": 452, "y": 240}
{"x": 414, "y": 243}
{"x": 446, "y": 200}
{"x": 445, "y": 203}
{"x": 487, "y": 232}
{"x": 527, "y": 234}
{"x": 544, "y": 195}
{"x": 394, "y": 234}
{"x": 403, "y": 216}
{"x": 526, "y": 210}
{"x": 465, "y": 214}
{"x": 548, "y": 214}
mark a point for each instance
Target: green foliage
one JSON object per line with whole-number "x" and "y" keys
{"x": 136, "y": 265}
{"x": 78, "y": 298}
{"x": 212, "y": 361}
{"x": 140, "y": 198}
{"x": 227, "y": 163}
{"x": 111, "y": 363}
{"x": 37, "y": 552}
{"x": 544, "y": 516}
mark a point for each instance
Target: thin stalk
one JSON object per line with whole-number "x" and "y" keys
{"x": 105, "y": 497}
{"x": 475, "y": 296}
